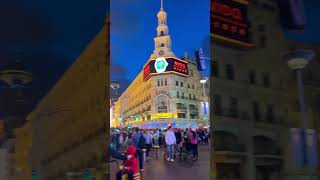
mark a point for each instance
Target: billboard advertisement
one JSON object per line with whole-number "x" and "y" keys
{"x": 165, "y": 65}
{"x": 229, "y": 21}
{"x": 200, "y": 60}
{"x": 292, "y": 14}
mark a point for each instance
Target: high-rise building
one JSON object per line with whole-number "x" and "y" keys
{"x": 166, "y": 91}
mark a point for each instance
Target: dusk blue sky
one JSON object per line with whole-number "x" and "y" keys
{"x": 51, "y": 34}
{"x": 133, "y": 27}
{"x": 312, "y": 29}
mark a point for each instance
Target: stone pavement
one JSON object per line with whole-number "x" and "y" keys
{"x": 160, "y": 169}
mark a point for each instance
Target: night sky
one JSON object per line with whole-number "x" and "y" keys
{"x": 133, "y": 27}
{"x": 49, "y": 35}
{"x": 312, "y": 29}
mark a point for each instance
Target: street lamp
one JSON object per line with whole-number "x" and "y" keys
{"x": 203, "y": 81}
{"x": 297, "y": 60}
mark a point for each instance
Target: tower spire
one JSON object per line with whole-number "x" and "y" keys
{"x": 162, "y": 42}
{"x": 161, "y": 4}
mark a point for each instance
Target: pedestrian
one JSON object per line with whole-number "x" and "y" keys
{"x": 178, "y": 138}
{"x": 139, "y": 143}
{"x": 130, "y": 165}
{"x": 194, "y": 144}
{"x": 170, "y": 139}
{"x": 121, "y": 140}
{"x": 148, "y": 146}
{"x": 160, "y": 138}
{"x": 128, "y": 141}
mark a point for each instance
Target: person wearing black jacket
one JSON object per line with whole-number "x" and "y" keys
{"x": 178, "y": 138}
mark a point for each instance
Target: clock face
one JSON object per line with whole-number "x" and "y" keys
{"x": 161, "y": 65}
{"x": 161, "y": 52}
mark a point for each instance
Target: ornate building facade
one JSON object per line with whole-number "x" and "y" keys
{"x": 166, "y": 91}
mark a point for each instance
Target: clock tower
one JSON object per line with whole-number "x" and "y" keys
{"x": 162, "y": 43}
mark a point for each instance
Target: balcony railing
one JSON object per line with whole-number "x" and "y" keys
{"x": 267, "y": 151}
{"x": 231, "y": 148}
{"x": 232, "y": 113}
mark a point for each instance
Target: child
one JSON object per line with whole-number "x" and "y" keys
{"x": 130, "y": 166}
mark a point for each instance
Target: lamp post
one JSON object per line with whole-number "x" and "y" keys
{"x": 297, "y": 60}
{"x": 203, "y": 81}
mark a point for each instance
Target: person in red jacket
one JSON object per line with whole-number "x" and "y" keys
{"x": 130, "y": 166}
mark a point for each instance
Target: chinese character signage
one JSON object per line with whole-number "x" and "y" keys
{"x": 200, "y": 60}
{"x": 229, "y": 21}
{"x": 165, "y": 65}
{"x": 162, "y": 116}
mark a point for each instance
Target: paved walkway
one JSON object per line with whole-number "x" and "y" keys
{"x": 160, "y": 169}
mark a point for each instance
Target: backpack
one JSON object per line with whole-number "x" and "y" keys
{"x": 142, "y": 141}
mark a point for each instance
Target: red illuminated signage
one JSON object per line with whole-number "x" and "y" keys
{"x": 229, "y": 21}
{"x": 175, "y": 65}
{"x": 146, "y": 72}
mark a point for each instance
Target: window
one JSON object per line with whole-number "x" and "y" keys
{"x": 181, "y": 115}
{"x": 162, "y": 104}
{"x": 177, "y": 83}
{"x": 262, "y": 41}
{"x": 161, "y": 33}
{"x": 178, "y": 95}
{"x": 165, "y": 82}
{"x": 192, "y": 86}
{"x": 233, "y": 107}
{"x": 215, "y": 69}
{"x": 256, "y": 111}
{"x": 191, "y": 72}
{"x": 194, "y": 98}
{"x": 188, "y": 85}
{"x": 252, "y": 77}
{"x": 217, "y": 104}
{"x": 161, "y": 82}
{"x": 162, "y": 44}
{"x": 266, "y": 80}
{"x": 189, "y": 96}
{"x": 158, "y": 82}
{"x": 182, "y": 96}
{"x": 261, "y": 28}
{"x": 230, "y": 72}
{"x": 181, "y": 84}
{"x": 270, "y": 113}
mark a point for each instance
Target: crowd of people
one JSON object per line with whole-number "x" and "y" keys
{"x": 129, "y": 145}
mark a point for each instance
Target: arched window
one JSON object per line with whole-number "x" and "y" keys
{"x": 162, "y": 104}
{"x": 161, "y": 33}
{"x": 162, "y": 44}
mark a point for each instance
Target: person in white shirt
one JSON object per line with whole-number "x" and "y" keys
{"x": 170, "y": 141}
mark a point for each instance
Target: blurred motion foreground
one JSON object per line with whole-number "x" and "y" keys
{"x": 65, "y": 136}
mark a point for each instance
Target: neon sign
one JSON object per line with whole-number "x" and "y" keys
{"x": 229, "y": 21}
{"x": 165, "y": 65}
{"x": 160, "y": 65}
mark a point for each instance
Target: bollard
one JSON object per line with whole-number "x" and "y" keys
{"x": 144, "y": 154}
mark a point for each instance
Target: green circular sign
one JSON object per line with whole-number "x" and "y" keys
{"x": 161, "y": 65}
